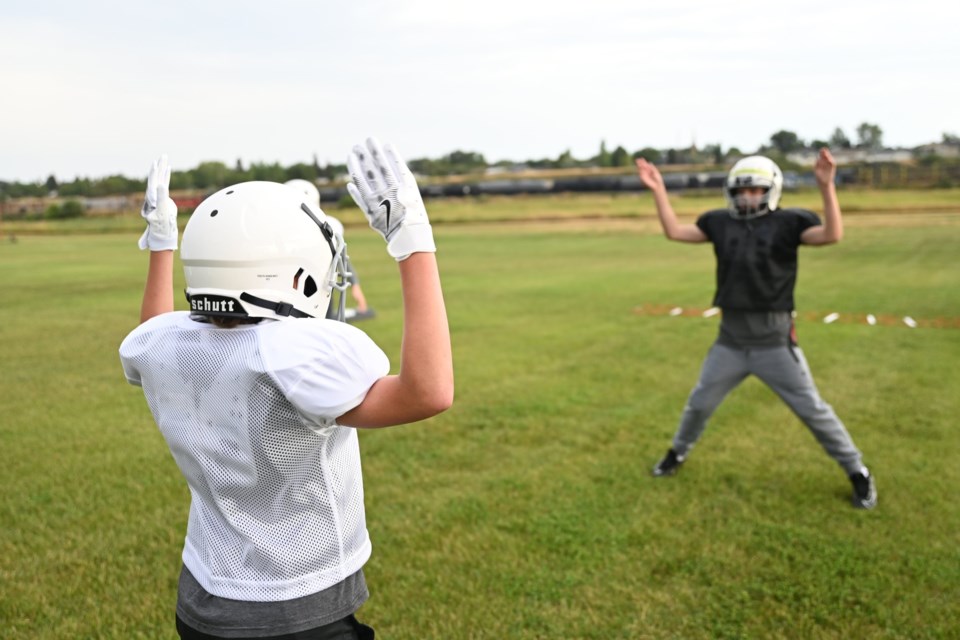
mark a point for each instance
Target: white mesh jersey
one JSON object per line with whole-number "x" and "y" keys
{"x": 249, "y": 414}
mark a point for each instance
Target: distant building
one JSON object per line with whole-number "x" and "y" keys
{"x": 939, "y": 149}
{"x": 108, "y": 204}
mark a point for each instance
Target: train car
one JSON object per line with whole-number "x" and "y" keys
{"x": 514, "y": 187}
{"x": 587, "y": 184}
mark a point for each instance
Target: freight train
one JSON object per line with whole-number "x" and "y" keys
{"x": 499, "y": 186}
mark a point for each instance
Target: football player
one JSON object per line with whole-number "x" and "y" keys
{"x": 755, "y": 243}
{"x": 259, "y": 397}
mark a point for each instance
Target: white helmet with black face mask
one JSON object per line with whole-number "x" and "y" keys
{"x": 260, "y": 250}
{"x": 753, "y": 171}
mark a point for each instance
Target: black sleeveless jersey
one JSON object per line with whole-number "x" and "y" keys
{"x": 757, "y": 258}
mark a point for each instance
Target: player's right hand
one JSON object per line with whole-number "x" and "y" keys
{"x": 649, "y": 175}
{"x": 159, "y": 210}
{"x": 386, "y": 191}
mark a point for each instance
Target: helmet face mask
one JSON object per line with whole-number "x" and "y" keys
{"x": 259, "y": 250}
{"x": 750, "y": 174}
{"x": 748, "y": 203}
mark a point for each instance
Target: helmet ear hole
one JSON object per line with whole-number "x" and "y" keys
{"x": 309, "y": 287}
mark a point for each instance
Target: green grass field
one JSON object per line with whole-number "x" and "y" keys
{"x": 527, "y": 511}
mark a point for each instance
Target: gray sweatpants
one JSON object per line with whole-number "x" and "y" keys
{"x": 785, "y": 371}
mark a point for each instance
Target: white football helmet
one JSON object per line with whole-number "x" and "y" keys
{"x": 754, "y": 171}
{"x": 307, "y": 189}
{"x": 260, "y": 250}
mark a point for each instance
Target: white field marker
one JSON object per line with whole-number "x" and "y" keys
{"x": 712, "y": 311}
{"x": 830, "y": 318}
{"x": 910, "y": 322}
{"x": 676, "y": 311}
{"x": 871, "y": 319}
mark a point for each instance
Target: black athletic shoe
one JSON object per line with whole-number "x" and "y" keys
{"x": 864, "y": 491}
{"x": 669, "y": 465}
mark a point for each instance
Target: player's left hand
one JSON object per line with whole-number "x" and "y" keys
{"x": 159, "y": 210}
{"x": 825, "y": 169}
{"x": 649, "y": 175}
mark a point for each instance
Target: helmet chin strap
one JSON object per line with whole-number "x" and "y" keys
{"x": 283, "y": 309}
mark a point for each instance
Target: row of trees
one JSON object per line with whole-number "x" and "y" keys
{"x": 206, "y": 176}
{"x": 211, "y": 175}
{"x": 869, "y": 137}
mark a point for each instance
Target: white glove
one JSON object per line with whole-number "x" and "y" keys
{"x": 159, "y": 210}
{"x": 386, "y": 191}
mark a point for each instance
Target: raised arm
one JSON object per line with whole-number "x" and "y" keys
{"x": 158, "y": 292}
{"x": 385, "y": 189}
{"x": 160, "y": 238}
{"x": 651, "y": 178}
{"x": 831, "y": 231}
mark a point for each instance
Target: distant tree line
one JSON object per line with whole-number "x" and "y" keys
{"x": 212, "y": 175}
{"x": 206, "y": 176}
{"x": 869, "y": 136}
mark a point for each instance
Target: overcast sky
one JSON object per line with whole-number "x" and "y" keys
{"x": 102, "y": 87}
